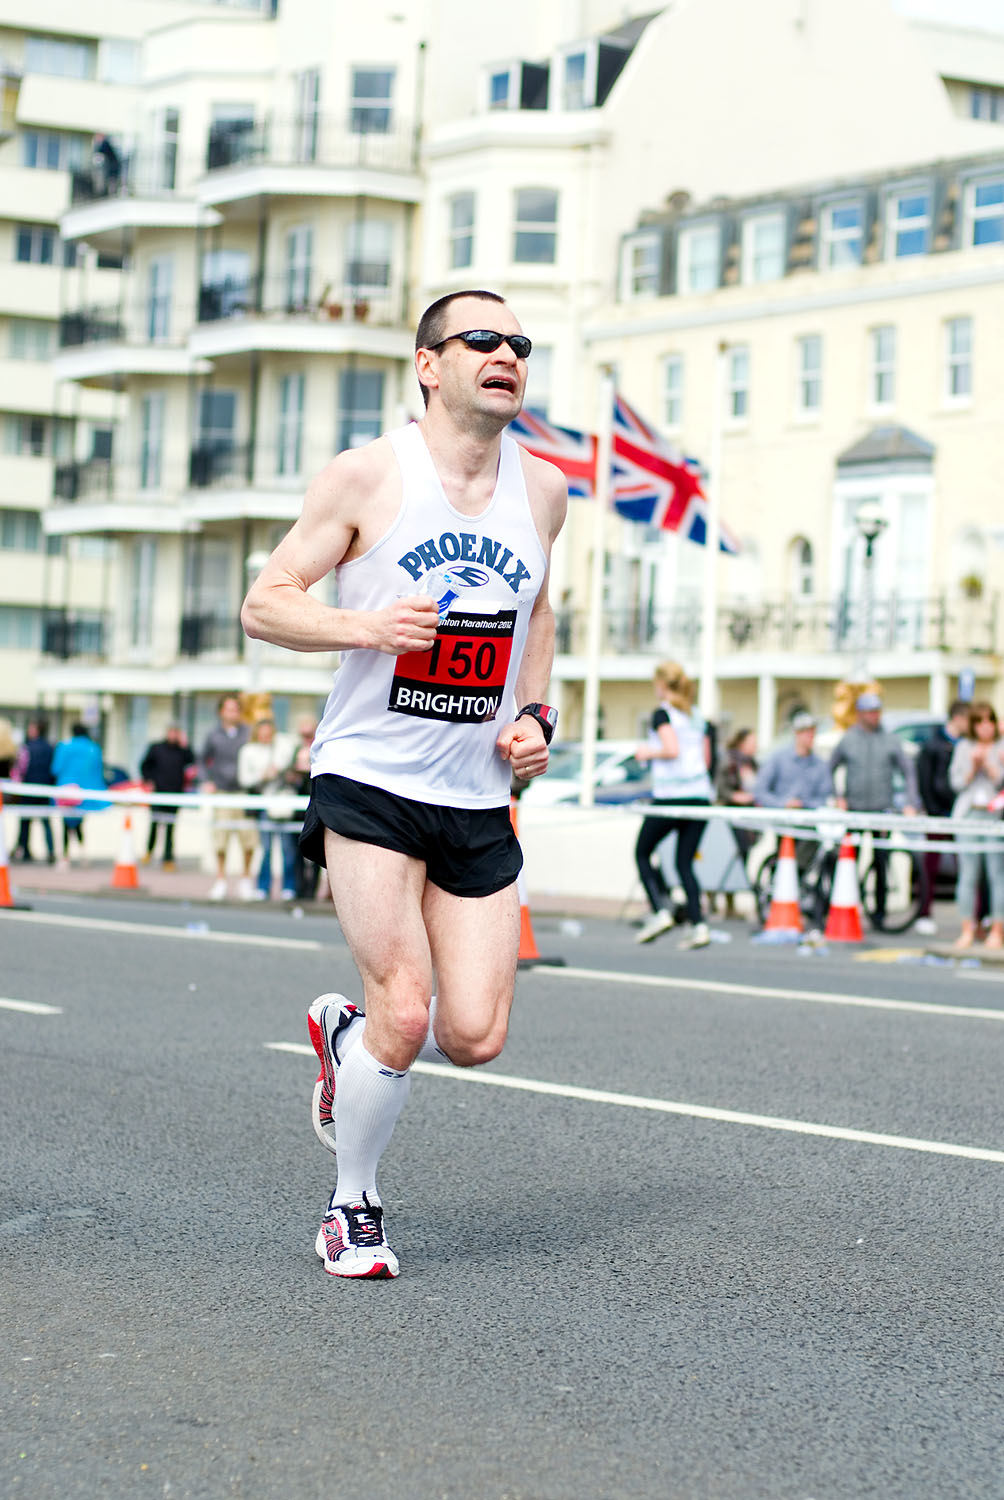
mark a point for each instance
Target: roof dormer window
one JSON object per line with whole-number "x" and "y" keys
{"x": 577, "y": 71}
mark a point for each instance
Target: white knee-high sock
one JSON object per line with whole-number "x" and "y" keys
{"x": 368, "y": 1100}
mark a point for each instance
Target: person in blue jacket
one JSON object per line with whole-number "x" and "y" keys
{"x": 77, "y": 762}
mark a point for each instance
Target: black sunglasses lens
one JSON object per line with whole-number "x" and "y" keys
{"x": 486, "y": 341}
{"x": 483, "y": 340}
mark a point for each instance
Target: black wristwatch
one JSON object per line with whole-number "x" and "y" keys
{"x": 546, "y": 717}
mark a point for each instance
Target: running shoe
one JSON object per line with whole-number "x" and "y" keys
{"x": 327, "y": 1017}
{"x": 659, "y": 921}
{"x": 697, "y": 937}
{"x": 351, "y": 1241}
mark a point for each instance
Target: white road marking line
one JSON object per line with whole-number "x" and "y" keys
{"x": 817, "y": 997}
{"x": 691, "y": 1111}
{"x": 32, "y": 1007}
{"x": 151, "y": 929}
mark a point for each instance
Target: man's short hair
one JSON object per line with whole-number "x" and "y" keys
{"x": 432, "y": 323}
{"x": 226, "y": 697}
{"x": 957, "y": 708}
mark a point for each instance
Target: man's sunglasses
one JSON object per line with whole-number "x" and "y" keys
{"x": 486, "y": 341}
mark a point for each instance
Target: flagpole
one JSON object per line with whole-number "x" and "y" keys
{"x": 594, "y": 636}
{"x": 708, "y": 699}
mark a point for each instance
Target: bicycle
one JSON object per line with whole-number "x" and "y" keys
{"x": 906, "y": 885}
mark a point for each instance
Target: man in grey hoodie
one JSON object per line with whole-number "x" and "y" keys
{"x": 871, "y": 758}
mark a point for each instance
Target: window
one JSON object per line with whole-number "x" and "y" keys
{"x": 159, "y": 278}
{"x": 25, "y": 437}
{"x": 289, "y": 445}
{"x": 35, "y": 243}
{"x": 958, "y": 358}
{"x": 461, "y": 232}
{"x": 367, "y": 255}
{"x": 151, "y": 439}
{"x": 20, "y": 531}
{"x": 372, "y": 90}
{"x": 842, "y": 235}
{"x": 143, "y": 573}
{"x": 986, "y": 212}
{"x": 360, "y": 407}
{"x": 672, "y": 390}
{"x": 535, "y": 236}
{"x": 883, "y": 360}
{"x": 226, "y": 284}
{"x": 299, "y": 267}
{"x": 217, "y": 420}
{"x": 908, "y": 222}
{"x": 699, "y": 255}
{"x": 810, "y": 372}
{"x": 763, "y": 248}
{"x": 31, "y": 338}
{"x": 986, "y": 104}
{"x": 164, "y": 133}
{"x": 801, "y": 568}
{"x": 538, "y": 379}
{"x": 308, "y": 98}
{"x": 59, "y": 58}
{"x": 20, "y": 627}
{"x": 578, "y": 79}
{"x": 640, "y": 266}
{"x": 738, "y": 383}
{"x": 501, "y": 88}
{"x": 118, "y": 61}
{"x": 53, "y": 150}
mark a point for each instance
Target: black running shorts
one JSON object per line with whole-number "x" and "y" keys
{"x": 466, "y": 851}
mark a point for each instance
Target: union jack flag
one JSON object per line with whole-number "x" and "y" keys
{"x": 652, "y": 482}
{"x": 574, "y": 453}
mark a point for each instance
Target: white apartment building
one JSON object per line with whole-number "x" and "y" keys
{"x": 292, "y": 183}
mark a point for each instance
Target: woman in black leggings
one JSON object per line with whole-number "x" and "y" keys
{"x": 679, "y": 751}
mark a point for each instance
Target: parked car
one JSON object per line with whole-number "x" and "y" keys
{"x": 619, "y": 777}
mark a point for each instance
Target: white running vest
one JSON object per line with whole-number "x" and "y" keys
{"x": 424, "y": 724}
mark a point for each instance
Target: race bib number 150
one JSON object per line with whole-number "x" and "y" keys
{"x": 462, "y": 679}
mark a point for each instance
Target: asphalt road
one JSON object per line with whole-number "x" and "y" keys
{"x": 604, "y": 1293}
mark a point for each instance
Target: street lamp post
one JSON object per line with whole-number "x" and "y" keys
{"x": 870, "y": 523}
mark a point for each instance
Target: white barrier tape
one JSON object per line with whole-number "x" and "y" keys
{"x": 821, "y": 823}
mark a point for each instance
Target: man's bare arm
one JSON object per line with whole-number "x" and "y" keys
{"x": 278, "y": 607}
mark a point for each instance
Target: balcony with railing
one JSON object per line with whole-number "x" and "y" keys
{"x": 363, "y": 308}
{"x": 210, "y": 632}
{"x": 135, "y": 336}
{"x": 314, "y": 152}
{"x": 68, "y": 636}
{"x": 149, "y": 187}
{"x": 790, "y": 627}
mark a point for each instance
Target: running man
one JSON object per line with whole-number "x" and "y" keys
{"x": 440, "y": 533}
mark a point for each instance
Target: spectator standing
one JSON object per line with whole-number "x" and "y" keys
{"x": 795, "y": 776}
{"x": 937, "y": 797}
{"x": 34, "y": 766}
{"x": 76, "y": 762}
{"x": 218, "y": 764}
{"x": 976, "y": 774}
{"x": 297, "y": 779}
{"x": 735, "y": 777}
{"x": 261, "y": 769}
{"x": 679, "y": 751}
{"x": 8, "y": 748}
{"x": 872, "y": 758}
{"x": 163, "y": 769}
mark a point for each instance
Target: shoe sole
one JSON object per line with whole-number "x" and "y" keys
{"x": 315, "y": 1026}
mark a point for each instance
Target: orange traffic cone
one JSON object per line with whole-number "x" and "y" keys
{"x": 843, "y": 921}
{"x": 6, "y": 899}
{"x": 125, "y": 876}
{"x": 785, "y": 914}
{"x": 529, "y": 953}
